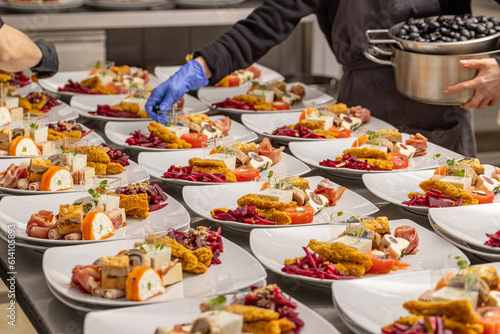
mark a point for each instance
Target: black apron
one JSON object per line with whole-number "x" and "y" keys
{"x": 372, "y": 85}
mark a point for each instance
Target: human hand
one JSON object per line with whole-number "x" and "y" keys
{"x": 486, "y": 83}
{"x": 190, "y": 76}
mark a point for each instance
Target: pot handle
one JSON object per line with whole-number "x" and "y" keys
{"x": 368, "y": 53}
{"x": 372, "y": 40}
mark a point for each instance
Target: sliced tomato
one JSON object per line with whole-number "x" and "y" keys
{"x": 234, "y": 80}
{"x": 300, "y": 214}
{"x": 195, "y": 139}
{"x": 245, "y": 174}
{"x": 344, "y": 133}
{"x": 482, "y": 195}
{"x": 489, "y": 319}
{"x": 381, "y": 264}
{"x": 399, "y": 160}
{"x": 256, "y": 72}
{"x": 281, "y": 105}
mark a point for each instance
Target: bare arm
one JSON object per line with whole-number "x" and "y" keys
{"x": 17, "y": 51}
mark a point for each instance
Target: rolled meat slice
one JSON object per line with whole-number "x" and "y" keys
{"x": 89, "y": 204}
{"x": 364, "y": 114}
{"x": 61, "y": 160}
{"x": 34, "y": 186}
{"x": 54, "y": 233}
{"x": 86, "y": 278}
{"x": 137, "y": 258}
{"x": 113, "y": 293}
{"x": 266, "y": 149}
{"x": 73, "y": 236}
{"x": 23, "y": 184}
{"x": 419, "y": 142}
{"x": 409, "y": 233}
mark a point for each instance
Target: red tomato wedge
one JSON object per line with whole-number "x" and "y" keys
{"x": 245, "y": 174}
{"x": 195, "y": 139}
{"x": 281, "y": 105}
{"x": 489, "y": 319}
{"x": 482, "y": 195}
{"x": 300, "y": 214}
{"x": 399, "y": 160}
{"x": 381, "y": 264}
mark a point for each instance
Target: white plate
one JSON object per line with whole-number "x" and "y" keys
{"x": 31, "y": 87}
{"x": 238, "y": 270}
{"x": 266, "y": 75}
{"x": 84, "y": 104}
{"x": 211, "y": 95}
{"x": 314, "y": 153}
{"x": 60, "y": 79}
{"x": 206, "y": 3}
{"x": 125, "y": 5}
{"x": 62, "y": 112}
{"x": 119, "y": 132}
{"x": 145, "y": 319}
{"x": 469, "y": 223}
{"x": 202, "y": 200}
{"x": 93, "y": 139}
{"x": 46, "y": 7}
{"x": 265, "y": 124}
{"x": 356, "y": 298}
{"x": 13, "y": 210}
{"x": 133, "y": 173}
{"x": 395, "y": 187}
{"x": 158, "y": 163}
{"x": 273, "y": 246}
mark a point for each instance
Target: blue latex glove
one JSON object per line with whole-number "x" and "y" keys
{"x": 190, "y": 76}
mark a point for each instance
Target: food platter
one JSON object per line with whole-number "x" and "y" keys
{"x": 313, "y": 153}
{"x": 158, "y": 163}
{"x": 13, "y": 210}
{"x": 265, "y": 124}
{"x": 267, "y": 74}
{"x": 133, "y": 173}
{"x": 394, "y": 187}
{"x": 62, "y": 112}
{"x": 46, "y": 7}
{"x": 211, "y": 95}
{"x": 119, "y": 132}
{"x": 237, "y": 271}
{"x": 139, "y": 319}
{"x": 125, "y": 5}
{"x": 84, "y": 104}
{"x": 273, "y": 246}
{"x": 355, "y": 299}
{"x": 204, "y": 199}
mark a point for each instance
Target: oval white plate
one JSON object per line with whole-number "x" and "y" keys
{"x": 93, "y": 139}
{"x": 60, "y": 79}
{"x": 125, "y": 5}
{"x": 206, "y": 3}
{"x": 355, "y": 299}
{"x": 211, "y": 95}
{"x": 202, "y": 200}
{"x": 266, "y": 75}
{"x": 133, "y": 173}
{"x": 45, "y": 7}
{"x": 62, "y": 112}
{"x": 237, "y": 271}
{"x": 314, "y": 153}
{"x": 145, "y": 319}
{"x": 273, "y": 246}
{"x": 13, "y": 210}
{"x": 158, "y": 163}
{"x": 84, "y": 104}
{"x": 265, "y": 124}
{"x": 119, "y": 132}
{"x": 395, "y": 187}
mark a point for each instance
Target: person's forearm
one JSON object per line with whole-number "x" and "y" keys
{"x": 204, "y": 64}
{"x": 17, "y": 51}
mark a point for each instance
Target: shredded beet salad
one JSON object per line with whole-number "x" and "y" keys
{"x": 139, "y": 139}
{"x": 188, "y": 174}
{"x": 301, "y": 132}
{"x": 433, "y": 324}
{"x": 349, "y": 161}
{"x": 200, "y": 237}
{"x": 494, "y": 239}
{"x": 245, "y": 214}
{"x": 432, "y": 199}
{"x": 155, "y": 195}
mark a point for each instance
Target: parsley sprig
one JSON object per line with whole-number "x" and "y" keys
{"x": 99, "y": 190}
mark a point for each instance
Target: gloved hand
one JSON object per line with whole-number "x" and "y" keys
{"x": 190, "y": 76}
{"x": 49, "y": 65}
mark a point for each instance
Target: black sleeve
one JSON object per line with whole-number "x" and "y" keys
{"x": 1, "y": 22}
{"x": 49, "y": 65}
{"x": 248, "y": 40}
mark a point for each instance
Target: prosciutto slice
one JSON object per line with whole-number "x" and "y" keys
{"x": 223, "y": 124}
{"x": 409, "y": 233}
{"x": 34, "y": 186}
{"x": 327, "y": 189}
{"x": 12, "y": 176}
{"x": 266, "y": 149}
{"x": 419, "y": 142}
{"x": 40, "y": 224}
{"x": 364, "y": 114}
{"x": 73, "y": 236}
{"x": 86, "y": 278}
{"x": 23, "y": 184}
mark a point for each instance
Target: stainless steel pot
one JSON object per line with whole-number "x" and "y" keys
{"x": 424, "y": 77}
{"x": 479, "y": 45}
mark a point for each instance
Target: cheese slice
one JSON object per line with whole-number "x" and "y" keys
{"x": 363, "y": 246}
{"x": 230, "y": 161}
{"x": 463, "y": 183}
{"x": 350, "y": 122}
{"x": 173, "y": 275}
{"x": 395, "y": 246}
{"x": 316, "y": 116}
{"x": 178, "y": 130}
{"x": 17, "y": 113}
{"x": 448, "y": 294}
{"x": 375, "y": 147}
{"x": 210, "y": 131}
{"x": 158, "y": 256}
{"x": 110, "y": 202}
{"x": 315, "y": 201}
{"x": 137, "y": 100}
{"x": 78, "y": 162}
{"x": 259, "y": 161}
{"x": 489, "y": 183}
{"x": 5, "y": 116}
{"x": 39, "y": 135}
{"x": 407, "y": 150}
{"x": 229, "y": 323}
{"x": 10, "y": 102}
{"x": 266, "y": 95}
{"x": 283, "y": 196}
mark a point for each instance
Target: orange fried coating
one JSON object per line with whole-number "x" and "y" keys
{"x": 458, "y": 310}
{"x": 449, "y": 190}
{"x": 367, "y": 153}
{"x": 135, "y": 205}
{"x": 56, "y": 135}
{"x": 167, "y": 136}
{"x": 456, "y": 327}
{"x": 253, "y": 313}
{"x": 312, "y": 125}
{"x": 264, "y": 203}
{"x": 99, "y": 168}
{"x": 268, "y": 327}
{"x": 277, "y": 216}
{"x": 132, "y": 108}
{"x": 94, "y": 83}
{"x": 114, "y": 168}
{"x": 198, "y": 162}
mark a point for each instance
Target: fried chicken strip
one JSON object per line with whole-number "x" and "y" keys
{"x": 367, "y": 153}
{"x": 449, "y": 190}
{"x": 458, "y": 310}
{"x": 263, "y": 203}
{"x": 253, "y": 313}
{"x": 448, "y": 324}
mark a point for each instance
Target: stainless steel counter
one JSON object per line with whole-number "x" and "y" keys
{"x": 48, "y": 315}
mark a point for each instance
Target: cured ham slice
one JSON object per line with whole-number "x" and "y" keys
{"x": 327, "y": 189}
{"x": 54, "y": 233}
{"x": 419, "y": 142}
{"x": 34, "y": 186}
{"x": 496, "y": 174}
{"x": 266, "y": 149}
{"x": 86, "y": 278}
{"x": 409, "y": 233}
{"x": 223, "y": 124}
{"x": 23, "y": 184}
{"x": 364, "y": 114}
{"x": 12, "y": 176}
{"x": 73, "y": 236}
{"x": 40, "y": 224}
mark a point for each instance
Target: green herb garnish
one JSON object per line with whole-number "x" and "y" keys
{"x": 33, "y": 126}
{"x": 217, "y": 303}
{"x": 461, "y": 262}
{"x": 455, "y": 166}
{"x": 63, "y": 150}
{"x": 101, "y": 188}
{"x": 371, "y": 134}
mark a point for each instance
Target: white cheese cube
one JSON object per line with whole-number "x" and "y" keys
{"x": 350, "y": 122}
{"x": 39, "y": 135}
{"x": 173, "y": 275}
{"x": 210, "y": 131}
{"x": 178, "y": 130}
{"x": 395, "y": 246}
{"x": 5, "y": 116}
{"x": 229, "y": 160}
{"x": 315, "y": 201}
{"x": 448, "y": 294}
{"x": 105, "y": 78}
{"x": 363, "y": 246}
{"x": 229, "y": 323}
{"x": 138, "y": 81}
{"x": 137, "y": 100}
{"x": 358, "y": 230}
{"x": 110, "y": 202}
{"x": 77, "y": 162}
{"x": 259, "y": 161}
{"x": 489, "y": 183}
{"x": 159, "y": 256}
{"x": 493, "y": 298}
{"x": 290, "y": 98}
{"x": 407, "y": 150}
{"x": 284, "y": 196}
{"x": 17, "y": 113}
{"x": 375, "y": 147}
{"x": 266, "y": 95}
{"x": 318, "y": 117}
{"x": 244, "y": 76}
{"x": 10, "y": 102}
{"x": 463, "y": 183}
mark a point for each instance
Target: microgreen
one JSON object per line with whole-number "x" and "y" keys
{"x": 63, "y": 149}
{"x": 456, "y": 168}
{"x": 33, "y": 126}
{"x": 96, "y": 193}
{"x": 217, "y": 303}
{"x": 461, "y": 262}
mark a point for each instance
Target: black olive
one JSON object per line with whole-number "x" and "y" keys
{"x": 491, "y": 32}
{"x": 454, "y": 40}
{"x": 413, "y": 28}
{"x": 433, "y": 25}
{"x": 482, "y": 19}
{"x": 411, "y": 21}
{"x": 414, "y": 35}
{"x": 494, "y": 20}
{"x": 402, "y": 32}
{"x": 472, "y": 34}
{"x": 480, "y": 29}
{"x": 471, "y": 26}
{"x": 463, "y": 38}
{"x": 445, "y": 32}
{"x": 441, "y": 18}
{"x": 481, "y": 36}
{"x": 455, "y": 27}
{"x": 497, "y": 28}
{"x": 465, "y": 33}
{"x": 445, "y": 39}
{"x": 489, "y": 25}
{"x": 406, "y": 27}
{"x": 422, "y": 40}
